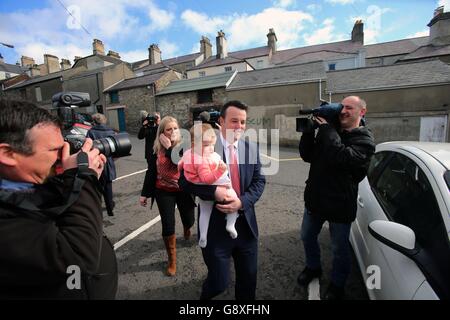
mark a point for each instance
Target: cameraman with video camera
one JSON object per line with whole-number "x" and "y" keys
{"x": 51, "y": 240}
{"x": 339, "y": 156}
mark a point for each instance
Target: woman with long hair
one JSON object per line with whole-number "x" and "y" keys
{"x": 161, "y": 184}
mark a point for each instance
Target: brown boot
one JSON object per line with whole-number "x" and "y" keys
{"x": 171, "y": 247}
{"x": 187, "y": 233}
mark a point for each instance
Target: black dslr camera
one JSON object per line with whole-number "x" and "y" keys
{"x": 74, "y": 132}
{"x": 151, "y": 120}
{"x": 329, "y": 111}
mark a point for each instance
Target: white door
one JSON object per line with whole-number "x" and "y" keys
{"x": 433, "y": 129}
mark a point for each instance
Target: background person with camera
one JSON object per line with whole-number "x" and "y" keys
{"x": 98, "y": 131}
{"x": 148, "y": 131}
{"x": 51, "y": 240}
{"x": 339, "y": 158}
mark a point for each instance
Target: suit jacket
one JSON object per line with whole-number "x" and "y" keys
{"x": 252, "y": 187}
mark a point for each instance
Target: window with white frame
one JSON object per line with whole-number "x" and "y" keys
{"x": 201, "y": 73}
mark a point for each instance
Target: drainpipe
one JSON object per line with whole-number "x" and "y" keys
{"x": 320, "y": 90}
{"x": 154, "y": 97}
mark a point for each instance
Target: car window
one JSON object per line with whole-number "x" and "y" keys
{"x": 376, "y": 165}
{"x": 407, "y": 197}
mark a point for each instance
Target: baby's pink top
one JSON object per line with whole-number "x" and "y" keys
{"x": 201, "y": 169}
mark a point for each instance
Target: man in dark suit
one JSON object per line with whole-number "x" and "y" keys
{"x": 244, "y": 167}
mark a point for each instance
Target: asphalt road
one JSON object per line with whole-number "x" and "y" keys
{"x": 142, "y": 259}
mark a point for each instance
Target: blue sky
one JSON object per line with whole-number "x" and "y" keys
{"x": 130, "y": 26}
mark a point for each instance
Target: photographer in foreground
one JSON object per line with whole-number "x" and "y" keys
{"x": 339, "y": 160}
{"x": 51, "y": 240}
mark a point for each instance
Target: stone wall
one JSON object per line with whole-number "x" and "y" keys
{"x": 181, "y": 105}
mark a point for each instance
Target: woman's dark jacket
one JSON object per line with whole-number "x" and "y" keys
{"x": 37, "y": 245}
{"x": 100, "y": 131}
{"x": 339, "y": 161}
{"x": 149, "y": 186}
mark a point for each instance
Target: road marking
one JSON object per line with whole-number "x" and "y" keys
{"x": 129, "y": 175}
{"x": 280, "y": 160}
{"x": 314, "y": 290}
{"x": 137, "y": 232}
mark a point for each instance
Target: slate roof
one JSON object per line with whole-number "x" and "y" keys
{"x": 233, "y": 57}
{"x": 428, "y": 52}
{"x": 38, "y": 79}
{"x": 11, "y": 68}
{"x": 393, "y": 48}
{"x": 213, "y": 62}
{"x": 279, "y": 75}
{"x": 169, "y": 62}
{"x": 136, "y": 82}
{"x": 319, "y": 56}
{"x": 208, "y": 82}
{"x": 388, "y": 77}
{"x": 348, "y": 46}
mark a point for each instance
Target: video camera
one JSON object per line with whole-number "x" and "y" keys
{"x": 118, "y": 145}
{"x": 329, "y": 111}
{"x": 211, "y": 117}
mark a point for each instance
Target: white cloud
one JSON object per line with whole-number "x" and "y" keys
{"x": 340, "y": 1}
{"x": 284, "y": 3}
{"x": 134, "y": 55}
{"x": 374, "y": 25}
{"x": 324, "y": 34}
{"x": 113, "y": 22}
{"x": 168, "y": 49}
{"x": 422, "y": 33}
{"x": 445, "y": 3}
{"x": 244, "y": 31}
{"x": 203, "y": 24}
{"x": 161, "y": 19}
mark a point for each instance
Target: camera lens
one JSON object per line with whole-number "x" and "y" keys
{"x": 118, "y": 145}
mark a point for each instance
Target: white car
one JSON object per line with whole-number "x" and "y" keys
{"x": 401, "y": 233}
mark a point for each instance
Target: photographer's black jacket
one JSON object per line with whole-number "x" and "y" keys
{"x": 149, "y": 133}
{"x": 339, "y": 161}
{"x": 37, "y": 245}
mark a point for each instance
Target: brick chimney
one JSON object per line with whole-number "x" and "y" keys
{"x": 205, "y": 47}
{"x": 113, "y": 54}
{"x": 52, "y": 63}
{"x": 358, "y": 32}
{"x": 65, "y": 64}
{"x": 27, "y": 61}
{"x": 440, "y": 27}
{"x": 221, "y": 45}
{"x": 34, "y": 71}
{"x": 272, "y": 40}
{"x": 154, "y": 54}
{"x": 97, "y": 47}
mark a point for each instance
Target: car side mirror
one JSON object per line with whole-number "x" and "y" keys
{"x": 395, "y": 236}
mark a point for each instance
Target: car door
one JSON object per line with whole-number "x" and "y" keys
{"x": 392, "y": 193}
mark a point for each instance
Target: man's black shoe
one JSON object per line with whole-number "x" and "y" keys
{"x": 334, "y": 292}
{"x": 307, "y": 275}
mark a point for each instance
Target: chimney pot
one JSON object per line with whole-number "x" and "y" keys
{"x": 221, "y": 45}
{"x": 205, "y": 47}
{"x": 154, "y": 54}
{"x": 98, "y": 47}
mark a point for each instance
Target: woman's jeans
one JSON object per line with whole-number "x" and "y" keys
{"x": 340, "y": 246}
{"x": 166, "y": 204}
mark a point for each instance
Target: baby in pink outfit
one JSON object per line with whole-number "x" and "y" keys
{"x": 202, "y": 165}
